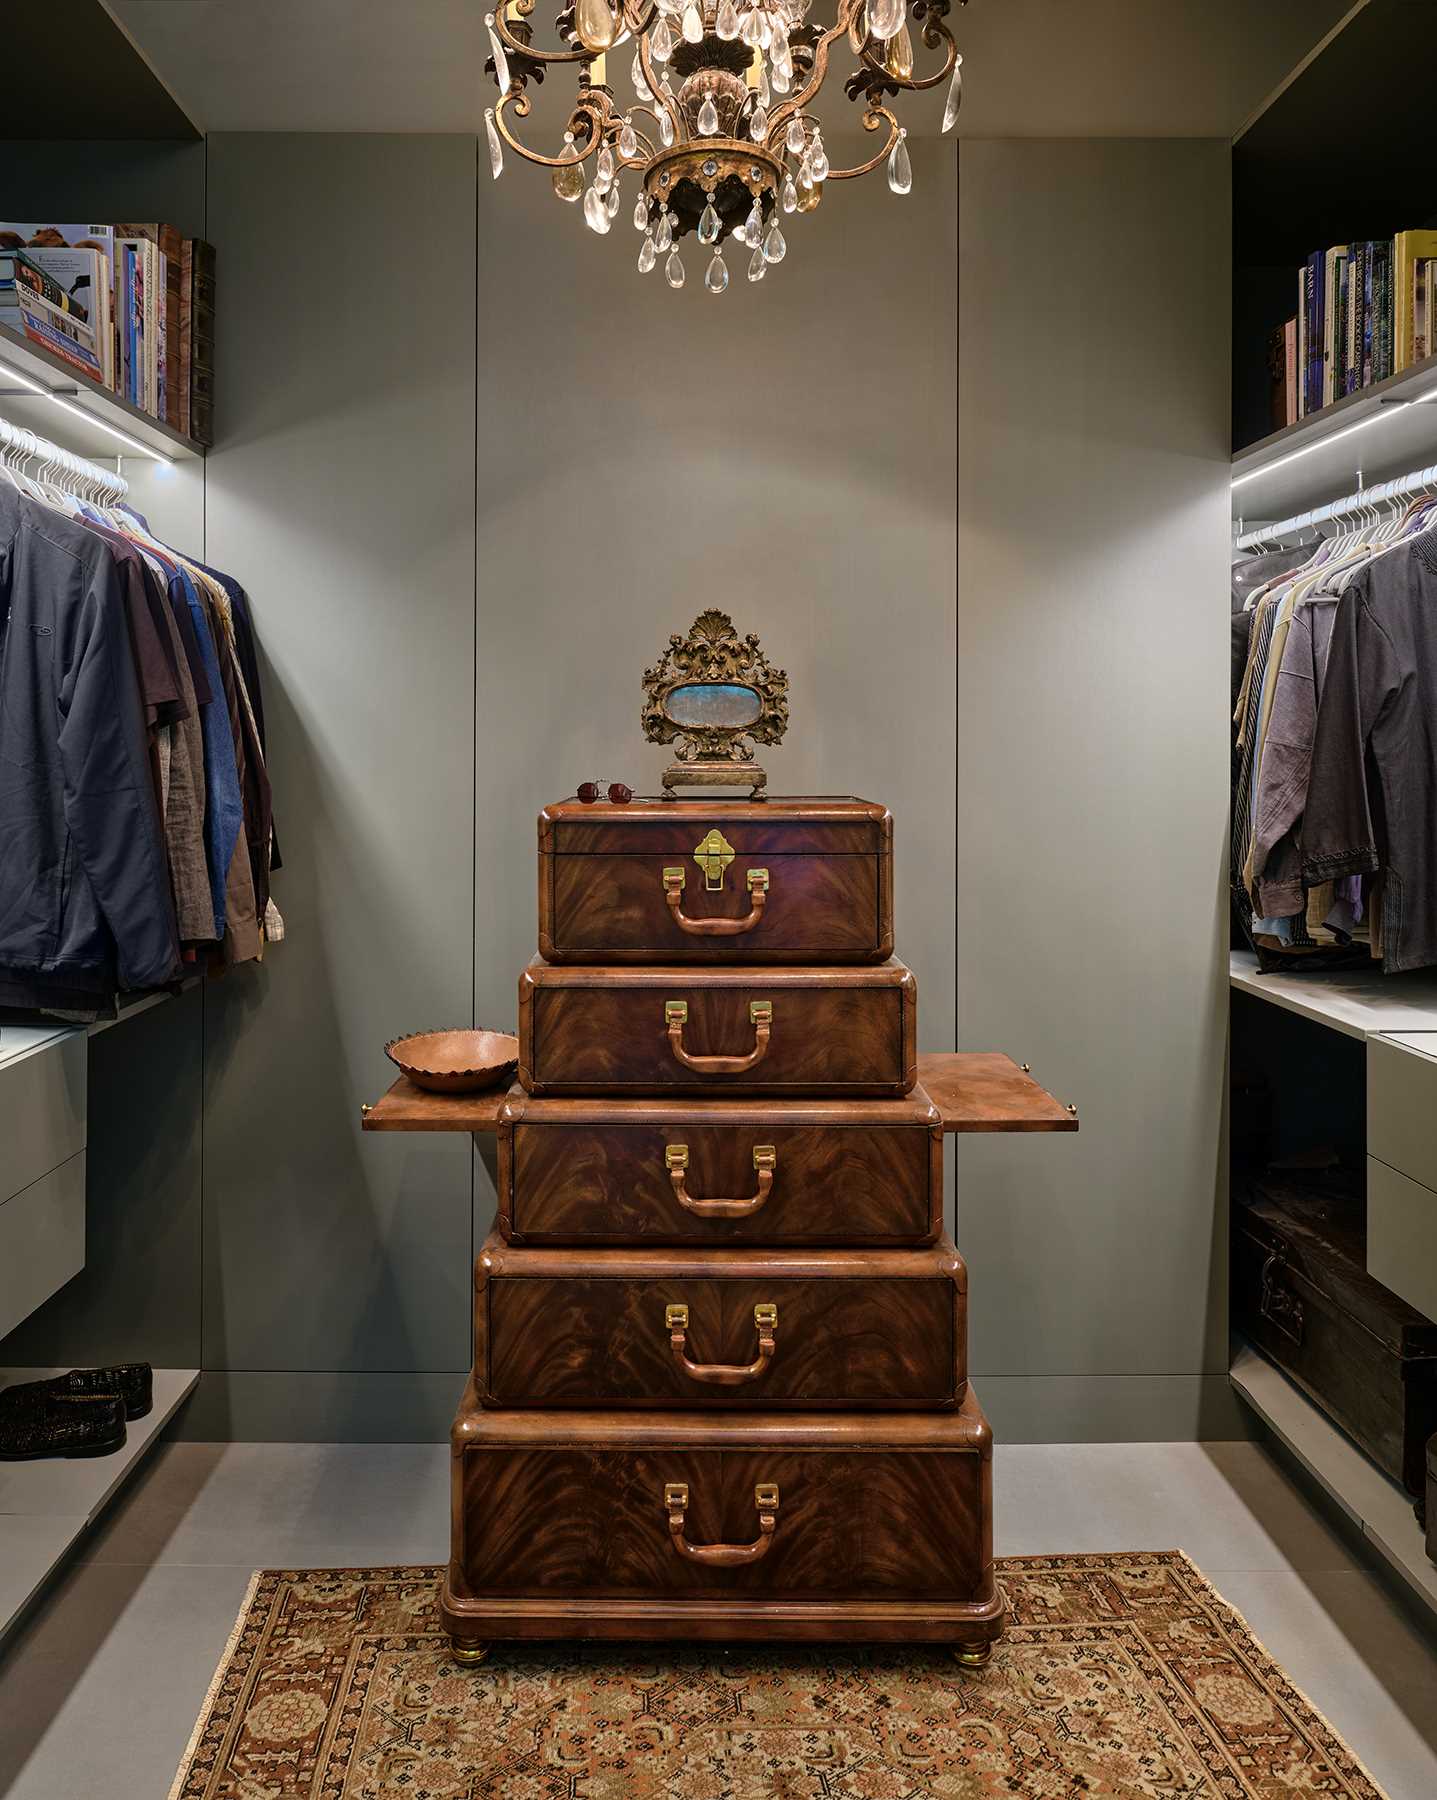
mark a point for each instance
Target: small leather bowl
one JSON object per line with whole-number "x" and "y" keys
{"x": 457, "y": 1061}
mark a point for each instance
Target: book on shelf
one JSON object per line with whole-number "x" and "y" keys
{"x": 1407, "y": 248}
{"x": 50, "y": 307}
{"x": 148, "y": 305}
{"x": 1365, "y": 311}
{"x": 1423, "y": 271}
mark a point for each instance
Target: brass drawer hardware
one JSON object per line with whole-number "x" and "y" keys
{"x": 676, "y": 1014}
{"x": 713, "y": 854}
{"x": 765, "y": 1160}
{"x": 765, "y": 1499}
{"x": 765, "y": 1319}
{"x": 758, "y": 885}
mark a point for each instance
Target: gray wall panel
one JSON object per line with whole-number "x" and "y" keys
{"x": 1092, "y": 757}
{"x": 342, "y": 495}
{"x": 646, "y": 453}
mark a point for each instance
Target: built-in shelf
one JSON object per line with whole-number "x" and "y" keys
{"x": 1353, "y": 1002}
{"x": 1384, "y": 431}
{"x": 43, "y": 394}
{"x": 1376, "y": 1506}
{"x": 47, "y": 1505}
{"x": 27, "y": 1034}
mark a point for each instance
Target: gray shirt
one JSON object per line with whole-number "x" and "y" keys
{"x": 1372, "y": 797}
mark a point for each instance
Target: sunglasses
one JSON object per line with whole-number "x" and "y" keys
{"x": 589, "y": 791}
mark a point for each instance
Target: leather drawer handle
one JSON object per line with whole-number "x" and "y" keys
{"x": 722, "y": 1556}
{"x": 765, "y": 1160}
{"x": 765, "y": 1319}
{"x": 758, "y": 894}
{"x": 676, "y": 1015}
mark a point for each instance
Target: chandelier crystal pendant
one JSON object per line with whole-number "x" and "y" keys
{"x": 722, "y": 133}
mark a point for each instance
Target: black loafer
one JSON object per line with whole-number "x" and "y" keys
{"x": 89, "y": 1428}
{"x": 132, "y": 1383}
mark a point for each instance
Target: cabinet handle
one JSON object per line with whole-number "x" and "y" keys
{"x": 758, "y": 893}
{"x": 765, "y": 1160}
{"x": 1278, "y": 1305}
{"x": 765, "y": 1319}
{"x": 760, "y": 1012}
{"x": 722, "y": 1556}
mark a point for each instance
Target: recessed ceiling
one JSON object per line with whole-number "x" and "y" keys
{"x": 1033, "y": 68}
{"x": 71, "y": 72}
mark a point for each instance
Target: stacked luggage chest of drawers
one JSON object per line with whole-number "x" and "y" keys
{"x": 720, "y": 1384}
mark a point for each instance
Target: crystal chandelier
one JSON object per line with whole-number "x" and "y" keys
{"x": 722, "y": 135}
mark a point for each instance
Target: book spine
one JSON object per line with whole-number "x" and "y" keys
{"x": 202, "y": 345}
{"x": 172, "y": 247}
{"x": 1317, "y": 312}
{"x": 1421, "y": 302}
{"x": 1382, "y": 365}
{"x": 1289, "y": 334}
{"x": 186, "y": 334}
{"x": 1303, "y": 277}
{"x": 62, "y": 333}
{"x": 162, "y": 326}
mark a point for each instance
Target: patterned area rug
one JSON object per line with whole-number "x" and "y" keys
{"x": 1121, "y": 1676}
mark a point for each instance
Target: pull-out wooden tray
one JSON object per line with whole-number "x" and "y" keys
{"x": 973, "y": 1090}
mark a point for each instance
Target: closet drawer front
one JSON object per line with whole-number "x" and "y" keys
{"x": 592, "y": 1519}
{"x": 785, "y": 1328}
{"x": 1402, "y": 1103}
{"x": 649, "y": 909}
{"x": 1402, "y": 1236}
{"x": 42, "y": 1111}
{"x": 42, "y": 1240}
{"x": 736, "y": 1031}
{"x": 1383, "y": 1398}
{"x": 672, "y": 1175}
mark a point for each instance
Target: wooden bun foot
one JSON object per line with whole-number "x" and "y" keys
{"x": 974, "y": 1656}
{"x": 467, "y": 1652}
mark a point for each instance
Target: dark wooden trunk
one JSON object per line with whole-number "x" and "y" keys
{"x": 714, "y": 1172}
{"x": 1301, "y": 1295}
{"x": 606, "y": 894}
{"x": 884, "y": 1329}
{"x": 564, "y": 1526}
{"x": 777, "y": 1032}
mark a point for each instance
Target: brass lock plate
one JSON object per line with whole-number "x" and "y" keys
{"x": 713, "y": 855}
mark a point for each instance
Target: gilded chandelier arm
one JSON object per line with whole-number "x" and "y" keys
{"x": 873, "y": 118}
{"x": 818, "y": 74}
{"x": 934, "y": 33}
{"x": 585, "y": 109}
{"x": 524, "y": 8}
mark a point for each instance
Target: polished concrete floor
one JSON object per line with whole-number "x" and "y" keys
{"x": 100, "y": 1688}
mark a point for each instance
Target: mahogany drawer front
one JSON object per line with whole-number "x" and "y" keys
{"x": 783, "y": 1328}
{"x": 597, "y": 1519}
{"x": 598, "y": 909}
{"x": 781, "y": 825}
{"x": 669, "y": 1172}
{"x": 743, "y": 1031}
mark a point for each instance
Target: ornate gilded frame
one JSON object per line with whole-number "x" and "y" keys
{"x": 712, "y": 750}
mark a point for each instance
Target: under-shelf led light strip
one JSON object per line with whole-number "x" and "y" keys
{"x": 38, "y": 388}
{"x": 1391, "y": 410}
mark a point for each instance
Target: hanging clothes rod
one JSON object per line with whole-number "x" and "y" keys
{"x": 20, "y": 446}
{"x": 1384, "y": 491}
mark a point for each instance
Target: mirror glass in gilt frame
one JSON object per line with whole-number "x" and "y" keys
{"x": 714, "y": 695}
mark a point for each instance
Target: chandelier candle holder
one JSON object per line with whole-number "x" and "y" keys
{"x": 722, "y": 137}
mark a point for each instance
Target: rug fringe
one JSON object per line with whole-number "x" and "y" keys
{"x": 231, "y": 1645}
{"x": 1281, "y": 1668}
